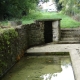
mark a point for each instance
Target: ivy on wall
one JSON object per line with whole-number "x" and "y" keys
{"x": 5, "y": 42}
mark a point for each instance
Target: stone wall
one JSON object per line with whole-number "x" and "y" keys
{"x": 15, "y": 41}
{"x": 51, "y": 29}
{"x": 36, "y": 34}
{"x": 8, "y": 50}
{"x": 56, "y": 31}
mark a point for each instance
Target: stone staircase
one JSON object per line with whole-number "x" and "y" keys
{"x": 70, "y": 35}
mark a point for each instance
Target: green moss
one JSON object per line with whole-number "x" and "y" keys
{"x": 6, "y": 36}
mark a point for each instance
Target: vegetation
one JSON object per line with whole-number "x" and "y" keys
{"x": 6, "y": 37}
{"x": 27, "y": 12}
{"x": 66, "y": 22}
{"x": 15, "y": 8}
{"x": 70, "y": 7}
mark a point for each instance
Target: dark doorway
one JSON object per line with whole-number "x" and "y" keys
{"x": 48, "y": 31}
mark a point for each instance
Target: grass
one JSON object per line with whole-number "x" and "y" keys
{"x": 66, "y": 22}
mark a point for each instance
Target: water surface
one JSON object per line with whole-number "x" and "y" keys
{"x": 41, "y": 68}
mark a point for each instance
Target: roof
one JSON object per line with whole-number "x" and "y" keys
{"x": 42, "y": 20}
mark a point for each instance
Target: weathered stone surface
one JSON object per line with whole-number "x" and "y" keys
{"x": 54, "y": 34}
{"x": 73, "y": 49}
{"x": 36, "y": 34}
{"x": 13, "y": 47}
{"x": 56, "y": 31}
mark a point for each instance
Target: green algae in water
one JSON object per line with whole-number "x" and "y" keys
{"x": 41, "y": 68}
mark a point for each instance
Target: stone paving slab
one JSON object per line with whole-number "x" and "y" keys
{"x": 73, "y": 49}
{"x": 54, "y": 48}
{"x": 75, "y": 58}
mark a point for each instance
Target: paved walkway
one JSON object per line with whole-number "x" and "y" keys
{"x": 54, "y": 48}
{"x": 73, "y": 49}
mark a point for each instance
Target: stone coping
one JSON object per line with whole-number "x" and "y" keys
{"x": 42, "y": 20}
{"x": 75, "y": 59}
{"x": 73, "y": 49}
{"x": 78, "y": 28}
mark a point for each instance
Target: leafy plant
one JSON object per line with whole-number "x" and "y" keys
{"x": 70, "y": 7}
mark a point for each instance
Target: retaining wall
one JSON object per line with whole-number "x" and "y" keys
{"x": 14, "y": 42}
{"x": 35, "y": 34}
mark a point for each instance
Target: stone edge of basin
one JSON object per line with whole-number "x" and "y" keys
{"x": 75, "y": 59}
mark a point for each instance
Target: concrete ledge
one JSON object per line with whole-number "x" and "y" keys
{"x": 73, "y": 50}
{"x": 75, "y": 58}
{"x": 53, "y": 48}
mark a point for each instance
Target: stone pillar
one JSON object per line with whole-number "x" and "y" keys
{"x": 56, "y": 30}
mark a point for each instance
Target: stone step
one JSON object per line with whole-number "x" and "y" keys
{"x": 70, "y": 39}
{"x": 67, "y": 32}
{"x": 70, "y": 32}
{"x": 67, "y": 35}
{"x": 70, "y": 36}
{"x": 69, "y": 42}
{"x": 70, "y": 29}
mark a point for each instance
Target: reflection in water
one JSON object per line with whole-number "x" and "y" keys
{"x": 41, "y": 68}
{"x": 65, "y": 74}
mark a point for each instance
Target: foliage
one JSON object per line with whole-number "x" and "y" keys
{"x": 6, "y": 36}
{"x": 16, "y": 8}
{"x": 66, "y": 22}
{"x": 5, "y": 42}
{"x": 44, "y": 0}
{"x": 59, "y": 5}
{"x": 34, "y": 15}
{"x": 70, "y": 7}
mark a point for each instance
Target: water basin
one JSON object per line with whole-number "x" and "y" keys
{"x": 42, "y": 68}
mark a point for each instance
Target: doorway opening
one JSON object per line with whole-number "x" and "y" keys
{"x": 48, "y": 31}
